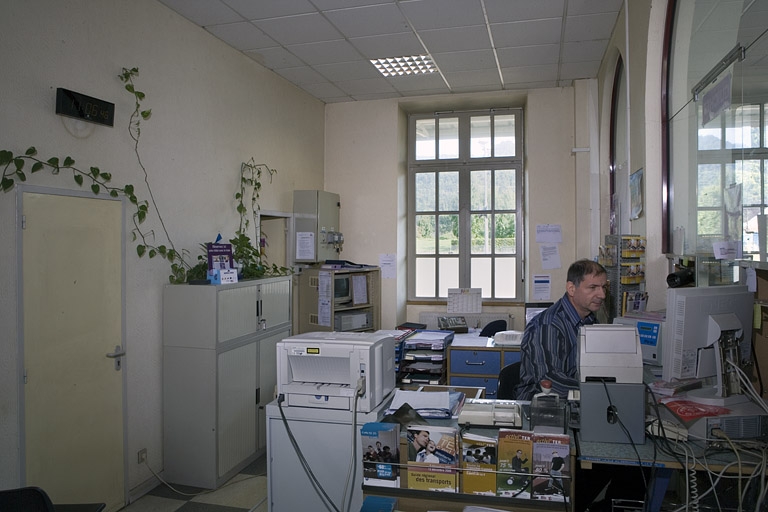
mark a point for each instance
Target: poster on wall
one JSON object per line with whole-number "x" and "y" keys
{"x": 636, "y": 194}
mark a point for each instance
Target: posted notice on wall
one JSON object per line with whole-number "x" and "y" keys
{"x": 305, "y": 245}
{"x": 542, "y": 288}
{"x": 549, "y": 233}
{"x": 550, "y": 256}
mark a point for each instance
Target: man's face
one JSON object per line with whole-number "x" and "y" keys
{"x": 421, "y": 439}
{"x": 588, "y": 297}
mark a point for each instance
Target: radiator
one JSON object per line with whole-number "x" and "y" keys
{"x": 474, "y": 320}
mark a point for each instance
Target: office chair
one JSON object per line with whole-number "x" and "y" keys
{"x": 34, "y": 499}
{"x": 509, "y": 378}
{"x": 493, "y": 327}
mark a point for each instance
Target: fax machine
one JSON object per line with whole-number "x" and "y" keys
{"x": 324, "y": 369}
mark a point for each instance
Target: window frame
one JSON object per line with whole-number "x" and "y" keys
{"x": 465, "y": 165}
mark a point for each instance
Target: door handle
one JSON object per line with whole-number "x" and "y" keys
{"x": 117, "y": 355}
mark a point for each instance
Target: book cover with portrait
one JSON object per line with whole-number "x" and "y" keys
{"x": 381, "y": 454}
{"x": 433, "y": 458}
{"x": 551, "y": 467}
{"x": 478, "y": 464}
{"x": 514, "y": 467}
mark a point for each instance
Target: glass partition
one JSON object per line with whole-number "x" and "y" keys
{"x": 717, "y": 98}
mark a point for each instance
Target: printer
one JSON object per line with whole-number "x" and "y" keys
{"x": 323, "y": 369}
{"x": 611, "y": 390}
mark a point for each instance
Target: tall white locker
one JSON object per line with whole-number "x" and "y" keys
{"x": 219, "y": 374}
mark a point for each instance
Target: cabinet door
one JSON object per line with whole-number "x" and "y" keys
{"x": 268, "y": 378}
{"x": 238, "y": 379}
{"x": 275, "y": 296}
{"x": 237, "y": 311}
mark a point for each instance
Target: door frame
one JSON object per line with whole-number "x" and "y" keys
{"x": 21, "y": 189}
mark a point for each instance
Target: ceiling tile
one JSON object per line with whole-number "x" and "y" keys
{"x": 261, "y": 9}
{"x": 242, "y": 35}
{"x": 576, "y": 7}
{"x": 343, "y": 4}
{"x": 465, "y": 61}
{"x": 543, "y": 73}
{"x": 302, "y": 28}
{"x": 390, "y": 45}
{"x": 528, "y": 55}
{"x": 367, "y": 21}
{"x": 456, "y": 39}
{"x": 488, "y": 77}
{"x": 276, "y": 57}
{"x": 348, "y": 70}
{"x": 324, "y": 90}
{"x": 426, "y": 14}
{"x": 589, "y": 27}
{"x": 504, "y": 10}
{"x": 526, "y": 33}
{"x": 203, "y": 12}
{"x": 326, "y": 52}
{"x": 301, "y": 75}
{"x": 584, "y": 51}
{"x": 432, "y": 81}
{"x": 576, "y": 70}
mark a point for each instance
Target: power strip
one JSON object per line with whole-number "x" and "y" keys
{"x": 672, "y": 431}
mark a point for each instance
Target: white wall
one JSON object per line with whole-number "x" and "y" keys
{"x": 213, "y": 109}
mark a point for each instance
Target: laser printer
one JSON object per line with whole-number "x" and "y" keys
{"x": 325, "y": 369}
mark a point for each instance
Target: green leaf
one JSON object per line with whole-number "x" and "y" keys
{"x": 133, "y": 199}
{"x": 95, "y": 187}
{"x": 106, "y": 176}
{"x": 68, "y": 161}
{"x": 146, "y": 114}
{"x": 139, "y": 95}
{"x": 31, "y": 151}
{"x": 162, "y": 250}
{"x": 128, "y": 189}
{"x": 152, "y": 253}
{"x": 53, "y": 161}
{"x": 6, "y": 157}
{"x": 79, "y": 179}
{"x": 129, "y": 88}
{"x": 37, "y": 166}
{"x": 95, "y": 172}
{"x": 7, "y": 184}
{"x": 113, "y": 193}
{"x": 21, "y": 175}
{"x": 19, "y": 163}
{"x": 140, "y": 250}
{"x": 141, "y": 215}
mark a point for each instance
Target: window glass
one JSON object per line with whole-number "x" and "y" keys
{"x": 710, "y": 185}
{"x": 504, "y": 136}
{"x": 448, "y": 236}
{"x": 425, "y": 270}
{"x": 481, "y": 234}
{"x": 506, "y": 278}
{"x": 425, "y": 139}
{"x": 505, "y": 194}
{"x": 449, "y": 138}
{"x": 425, "y": 192}
{"x": 481, "y": 275}
{"x": 742, "y": 127}
{"x": 449, "y": 191}
{"x": 425, "y": 234}
{"x": 449, "y": 275}
{"x": 504, "y": 238}
{"x": 480, "y": 139}
{"x": 481, "y": 190}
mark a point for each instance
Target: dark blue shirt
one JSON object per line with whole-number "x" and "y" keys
{"x": 550, "y": 350}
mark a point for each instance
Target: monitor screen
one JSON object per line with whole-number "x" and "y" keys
{"x": 690, "y": 313}
{"x": 342, "y": 289}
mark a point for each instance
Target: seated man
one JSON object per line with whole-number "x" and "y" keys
{"x": 549, "y": 350}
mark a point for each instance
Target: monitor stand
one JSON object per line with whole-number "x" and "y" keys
{"x": 707, "y": 395}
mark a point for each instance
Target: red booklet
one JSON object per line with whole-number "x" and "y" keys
{"x": 687, "y": 410}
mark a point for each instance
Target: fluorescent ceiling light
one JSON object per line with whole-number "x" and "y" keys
{"x": 407, "y": 65}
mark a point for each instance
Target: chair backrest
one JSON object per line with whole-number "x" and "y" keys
{"x": 25, "y": 499}
{"x": 493, "y": 327}
{"x": 509, "y": 378}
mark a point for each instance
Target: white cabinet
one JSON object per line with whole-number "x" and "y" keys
{"x": 219, "y": 374}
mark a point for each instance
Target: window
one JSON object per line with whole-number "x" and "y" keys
{"x": 465, "y": 204}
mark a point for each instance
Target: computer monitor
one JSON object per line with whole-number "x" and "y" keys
{"x": 342, "y": 289}
{"x": 696, "y": 318}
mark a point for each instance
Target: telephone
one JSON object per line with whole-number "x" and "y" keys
{"x": 508, "y": 338}
{"x": 494, "y": 413}
{"x": 457, "y": 324}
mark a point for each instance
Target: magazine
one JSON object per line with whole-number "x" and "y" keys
{"x": 478, "y": 464}
{"x": 433, "y": 458}
{"x": 381, "y": 454}
{"x": 551, "y": 467}
{"x": 515, "y": 454}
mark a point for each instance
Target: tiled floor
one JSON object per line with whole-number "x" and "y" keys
{"x": 245, "y": 492}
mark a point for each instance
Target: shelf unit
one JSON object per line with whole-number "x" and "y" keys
{"x": 219, "y": 373}
{"x": 319, "y": 311}
{"x": 413, "y": 362}
{"x": 623, "y": 257}
{"x": 479, "y": 366}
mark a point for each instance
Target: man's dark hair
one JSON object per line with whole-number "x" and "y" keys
{"x": 582, "y": 268}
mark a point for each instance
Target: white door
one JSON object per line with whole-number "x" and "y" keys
{"x": 72, "y": 317}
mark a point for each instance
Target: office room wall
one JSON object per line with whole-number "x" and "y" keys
{"x": 212, "y": 109}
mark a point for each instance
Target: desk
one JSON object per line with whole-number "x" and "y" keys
{"x": 592, "y": 454}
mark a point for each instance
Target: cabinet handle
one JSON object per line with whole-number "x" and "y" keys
{"x": 469, "y": 363}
